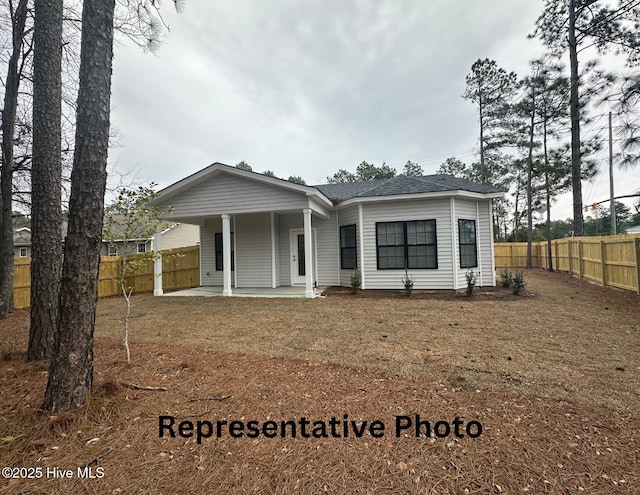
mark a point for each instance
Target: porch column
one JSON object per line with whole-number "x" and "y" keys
{"x": 156, "y": 246}
{"x": 226, "y": 255}
{"x": 308, "y": 262}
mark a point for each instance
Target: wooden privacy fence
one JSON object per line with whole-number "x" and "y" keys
{"x": 180, "y": 270}
{"x": 608, "y": 260}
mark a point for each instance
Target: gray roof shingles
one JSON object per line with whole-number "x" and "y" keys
{"x": 401, "y": 184}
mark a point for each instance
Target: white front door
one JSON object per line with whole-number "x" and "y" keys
{"x": 297, "y": 257}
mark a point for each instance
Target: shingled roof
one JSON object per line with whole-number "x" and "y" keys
{"x": 402, "y": 184}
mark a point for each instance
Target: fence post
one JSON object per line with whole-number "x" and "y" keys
{"x": 636, "y": 252}
{"x": 555, "y": 251}
{"x": 580, "y": 269}
{"x": 569, "y": 255}
{"x": 603, "y": 260}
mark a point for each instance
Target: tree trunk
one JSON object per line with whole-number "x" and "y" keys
{"x": 46, "y": 173}
{"x": 530, "y": 181}
{"x": 71, "y": 370}
{"x": 10, "y": 106}
{"x": 547, "y": 188}
{"x": 576, "y": 170}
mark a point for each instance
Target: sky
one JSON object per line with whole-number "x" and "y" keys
{"x": 309, "y": 87}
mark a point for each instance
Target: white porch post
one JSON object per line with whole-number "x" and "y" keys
{"x": 226, "y": 255}
{"x": 308, "y": 262}
{"x": 156, "y": 246}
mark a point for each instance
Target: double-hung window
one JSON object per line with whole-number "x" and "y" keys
{"x": 410, "y": 245}
{"x": 219, "y": 252}
{"x": 467, "y": 243}
{"x": 348, "y": 247}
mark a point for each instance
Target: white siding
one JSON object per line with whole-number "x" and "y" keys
{"x": 465, "y": 210}
{"x": 348, "y": 216}
{"x": 182, "y": 235}
{"x": 485, "y": 240}
{"x": 253, "y": 250}
{"x": 389, "y": 211}
{"x": 276, "y": 229}
{"x": 208, "y": 253}
{"x": 225, "y": 193}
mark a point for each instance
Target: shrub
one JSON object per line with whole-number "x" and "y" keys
{"x": 518, "y": 282}
{"x": 471, "y": 282}
{"x": 407, "y": 282}
{"x": 356, "y": 281}
{"x": 507, "y": 278}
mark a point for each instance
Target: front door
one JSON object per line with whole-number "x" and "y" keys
{"x": 298, "y": 261}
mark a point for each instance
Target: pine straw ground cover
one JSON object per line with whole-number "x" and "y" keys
{"x": 553, "y": 377}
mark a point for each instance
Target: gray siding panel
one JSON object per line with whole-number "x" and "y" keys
{"x": 465, "y": 210}
{"x": 229, "y": 194}
{"x": 287, "y": 222}
{"x": 182, "y": 235}
{"x": 253, "y": 250}
{"x": 485, "y": 240}
{"x": 327, "y": 250}
{"x": 388, "y": 211}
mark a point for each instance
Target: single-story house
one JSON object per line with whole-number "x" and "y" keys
{"x": 259, "y": 231}
{"x": 173, "y": 236}
{"x": 22, "y": 243}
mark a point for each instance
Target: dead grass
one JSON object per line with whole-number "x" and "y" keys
{"x": 539, "y": 373}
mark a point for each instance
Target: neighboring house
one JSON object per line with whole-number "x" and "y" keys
{"x": 258, "y": 231}
{"x": 22, "y": 243}
{"x": 632, "y": 229}
{"x": 174, "y": 236}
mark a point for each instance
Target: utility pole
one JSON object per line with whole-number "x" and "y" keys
{"x": 612, "y": 211}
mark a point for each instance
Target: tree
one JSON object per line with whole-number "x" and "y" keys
{"x": 270, "y": 173}
{"x": 129, "y": 219}
{"x": 492, "y": 89}
{"x": 71, "y": 370}
{"x": 12, "y": 86}
{"x": 574, "y": 25}
{"x": 457, "y": 168}
{"x": 364, "y": 171}
{"x": 297, "y": 180}
{"x": 412, "y": 169}
{"x": 46, "y": 176}
{"x": 244, "y": 166}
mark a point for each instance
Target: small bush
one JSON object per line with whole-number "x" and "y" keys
{"x": 407, "y": 282}
{"x": 507, "y": 278}
{"x": 471, "y": 282}
{"x": 518, "y": 283}
{"x": 356, "y": 281}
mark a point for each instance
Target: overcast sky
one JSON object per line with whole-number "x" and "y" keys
{"x": 308, "y": 87}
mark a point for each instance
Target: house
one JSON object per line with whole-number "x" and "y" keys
{"x": 259, "y": 231}
{"x": 22, "y": 243}
{"x": 173, "y": 236}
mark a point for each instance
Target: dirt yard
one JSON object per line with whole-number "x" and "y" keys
{"x": 552, "y": 379}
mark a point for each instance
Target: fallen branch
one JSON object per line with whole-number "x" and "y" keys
{"x": 97, "y": 458}
{"x": 142, "y": 387}
{"x": 196, "y": 399}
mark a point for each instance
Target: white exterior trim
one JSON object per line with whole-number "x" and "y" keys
{"x": 273, "y": 251}
{"x": 308, "y": 260}
{"x": 478, "y": 247}
{"x": 454, "y": 253}
{"x": 432, "y": 195}
{"x": 363, "y": 284}
{"x": 226, "y": 255}
{"x": 493, "y": 254}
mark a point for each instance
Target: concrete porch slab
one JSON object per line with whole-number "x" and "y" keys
{"x": 243, "y": 292}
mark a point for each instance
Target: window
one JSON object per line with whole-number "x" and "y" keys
{"x": 113, "y": 251}
{"x": 23, "y": 252}
{"x": 467, "y": 241}
{"x": 142, "y": 247}
{"x": 348, "y": 250}
{"x": 401, "y": 245}
{"x": 219, "y": 255}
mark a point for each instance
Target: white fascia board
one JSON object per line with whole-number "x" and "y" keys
{"x": 431, "y": 195}
{"x": 318, "y": 209}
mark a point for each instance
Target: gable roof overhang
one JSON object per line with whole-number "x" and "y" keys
{"x": 219, "y": 168}
{"x": 462, "y": 194}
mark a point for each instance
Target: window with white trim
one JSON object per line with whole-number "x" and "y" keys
{"x": 142, "y": 247}
{"x": 348, "y": 247}
{"x": 467, "y": 243}
{"x": 24, "y": 252}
